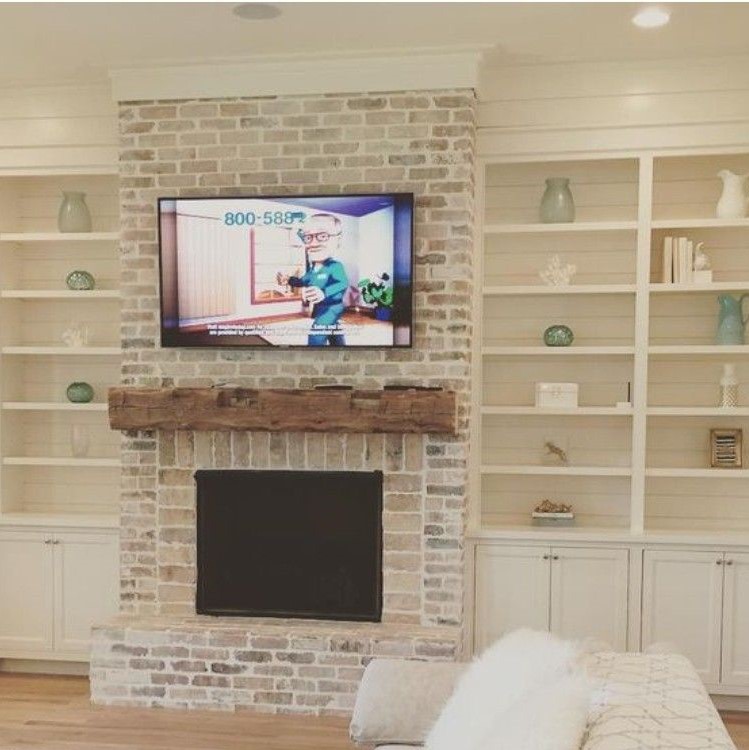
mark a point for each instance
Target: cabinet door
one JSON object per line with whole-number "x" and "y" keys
{"x": 736, "y": 620}
{"x": 589, "y": 589}
{"x": 681, "y": 604}
{"x": 25, "y": 592}
{"x": 86, "y": 581}
{"x": 512, "y": 591}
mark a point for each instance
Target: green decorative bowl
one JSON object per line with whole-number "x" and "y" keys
{"x": 80, "y": 393}
{"x": 558, "y": 335}
{"x": 80, "y": 281}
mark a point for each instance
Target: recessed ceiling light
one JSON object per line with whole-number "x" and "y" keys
{"x": 651, "y": 18}
{"x": 256, "y": 11}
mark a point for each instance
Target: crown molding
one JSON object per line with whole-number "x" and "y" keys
{"x": 384, "y": 71}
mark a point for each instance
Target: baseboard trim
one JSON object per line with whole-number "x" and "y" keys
{"x": 731, "y": 702}
{"x": 41, "y": 666}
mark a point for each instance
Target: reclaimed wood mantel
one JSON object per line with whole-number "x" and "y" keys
{"x": 283, "y": 410}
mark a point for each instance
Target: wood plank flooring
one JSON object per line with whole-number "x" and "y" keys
{"x": 39, "y": 711}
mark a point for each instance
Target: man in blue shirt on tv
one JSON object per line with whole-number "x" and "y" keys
{"x": 325, "y": 281}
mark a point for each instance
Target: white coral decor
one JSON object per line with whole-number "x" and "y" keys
{"x": 557, "y": 274}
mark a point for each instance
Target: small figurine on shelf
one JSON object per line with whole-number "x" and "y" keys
{"x": 554, "y": 454}
{"x": 703, "y": 273}
{"x": 548, "y": 513}
{"x": 556, "y": 274}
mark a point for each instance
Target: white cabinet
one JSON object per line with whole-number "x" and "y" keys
{"x": 589, "y": 588}
{"x": 26, "y": 584}
{"x": 681, "y": 604}
{"x": 575, "y": 592}
{"x": 699, "y": 601}
{"x": 512, "y": 591}
{"x": 86, "y": 587}
{"x": 53, "y": 587}
{"x": 735, "y": 662}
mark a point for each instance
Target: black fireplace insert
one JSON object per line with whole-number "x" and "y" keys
{"x": 304, "y": 544}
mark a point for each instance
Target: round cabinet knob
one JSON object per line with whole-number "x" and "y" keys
{"x": 719, "y": 562}
{"x": 555, "y": 557}
{"x": 729, "y": 562}
{"x": 547, "y": 557}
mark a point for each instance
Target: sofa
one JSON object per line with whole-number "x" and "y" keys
{"x": 653, "y": 701}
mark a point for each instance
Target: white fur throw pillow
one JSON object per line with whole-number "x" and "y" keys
{"x": 523, "y": 693}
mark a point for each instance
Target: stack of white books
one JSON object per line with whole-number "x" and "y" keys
{"x": 678, "y": 263}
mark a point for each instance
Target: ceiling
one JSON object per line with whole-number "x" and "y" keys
{"x": 52, "y": 42}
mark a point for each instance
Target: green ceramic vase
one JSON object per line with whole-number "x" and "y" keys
{"x": 80, "y": 281}
{"x": 80, "y": 393}
{"x": 558, "y": 335}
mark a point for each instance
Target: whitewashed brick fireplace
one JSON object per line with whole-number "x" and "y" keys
{"x": 158, "y": 652}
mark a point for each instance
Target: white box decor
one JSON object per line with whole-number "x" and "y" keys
{"x": 556, "y": 395}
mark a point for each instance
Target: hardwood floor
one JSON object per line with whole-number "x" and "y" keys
{"x": 53, "y": 713}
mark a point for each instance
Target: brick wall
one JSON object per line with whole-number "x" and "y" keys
{"x": 421, "y": 142}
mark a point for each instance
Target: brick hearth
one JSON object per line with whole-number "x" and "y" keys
{"x": 410, "y": 141}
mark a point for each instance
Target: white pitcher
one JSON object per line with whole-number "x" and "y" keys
{"x": 733, "y": 201}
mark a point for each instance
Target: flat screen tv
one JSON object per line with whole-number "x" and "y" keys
{"x": 301, "y": 271}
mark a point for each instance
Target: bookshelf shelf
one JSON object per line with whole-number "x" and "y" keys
{"x": 579, "y": 411}
{"x": 22, "y": 237}
{"x": 708, "y": 350}
{"x": 573, "y": 227}
{"x": 39, "y": 427}
{"x": 93, "y": 463}
{"x": 675, "y": 473}
{"x": 63, "y": 351}
{"x": 697, "y": 411}
{"x": 568, "y": 471}
{"x": 716, "y": 286}
{"x": 558, "y": 351}
{"x": 558, "y": 291}
{"x": 698, "y": 223}
{"x": 52, "y": 406}
{"x": 629, "y": 330}
{"x": 61, "y": 294}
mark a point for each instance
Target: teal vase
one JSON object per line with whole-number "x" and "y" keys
{"x": 557, "y": 203}
{"x": 558, "y": 335}
{"x": 731, "y": 320}
{"x": 80, "y": 393}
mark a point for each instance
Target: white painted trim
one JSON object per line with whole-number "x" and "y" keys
{"x": 433, "y": 69}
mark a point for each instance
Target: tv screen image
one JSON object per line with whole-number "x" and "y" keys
{"x": 301, "y": 271}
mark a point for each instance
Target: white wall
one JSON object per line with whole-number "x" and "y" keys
{"x": 57, "y": 127}
{"x": 615, "y": 106}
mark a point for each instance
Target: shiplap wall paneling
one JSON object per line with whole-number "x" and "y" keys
{"x": 511, "y": 381}
{"x": 598, "y": 501}
{"x": 596, "y": 320}
{"x": 514, "y": 441}
{"x": 604, "y": 190}
{"x": 697, "y": 505}
{"x": 600, "y": 257}
{"x": 64, "y": 128}
{"x": 579, "y": 108}
{"x": 693, "y": 382}
{"x": 725, "y": 246}
{"x": 688, "y": 187}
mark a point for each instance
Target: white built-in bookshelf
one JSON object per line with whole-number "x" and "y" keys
{"x": 40, "y": 478}
{"x": 633, "y": 469}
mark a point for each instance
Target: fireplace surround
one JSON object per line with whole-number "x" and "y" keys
{"x": 159, "y": 652}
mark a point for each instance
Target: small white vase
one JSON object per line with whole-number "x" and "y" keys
{"x": 80, "y": 441}
{"x": 733, "y": 201}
